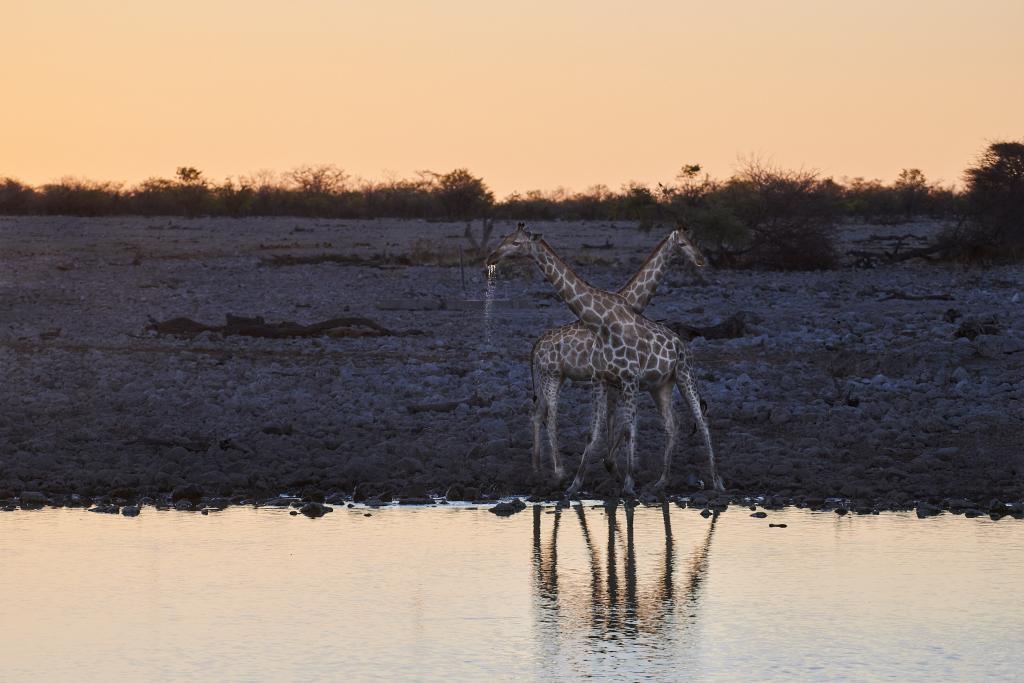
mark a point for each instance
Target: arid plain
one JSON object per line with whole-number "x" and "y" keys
{"x": 883, "y": 385}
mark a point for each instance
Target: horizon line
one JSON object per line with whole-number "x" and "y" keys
{"x": 357, "y": 181}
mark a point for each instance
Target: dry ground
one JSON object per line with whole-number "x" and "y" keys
{"x": 849, "y": 382}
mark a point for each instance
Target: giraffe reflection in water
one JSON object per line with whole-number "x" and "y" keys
{"x": 615, "y": 595}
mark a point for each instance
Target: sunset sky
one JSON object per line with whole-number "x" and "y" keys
{"x": 526, "y": 94}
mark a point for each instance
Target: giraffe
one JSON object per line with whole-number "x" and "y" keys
{"x": 632, "y": 354}
{"x": 649, "y": 600}
{"x": 564, "y": 352}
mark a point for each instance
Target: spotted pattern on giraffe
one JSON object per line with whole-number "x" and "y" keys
{"x": 631, "y": 353}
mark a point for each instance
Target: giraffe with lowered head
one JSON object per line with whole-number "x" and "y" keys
{"x": 632, "y": 354}
{"x": 567, "y": 352}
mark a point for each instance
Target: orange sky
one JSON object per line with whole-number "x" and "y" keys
{"x": 527, "y": 94}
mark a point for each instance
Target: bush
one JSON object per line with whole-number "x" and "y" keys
{"x": 638, "y": 203}
{"x": 760, "y": 217}
{"x": 463, "y": 195}
{"x": 994, "y": 225}
{"x": 767, "y": 217}
{"x": 533, "y": 206}
{"x": 870, "y": 200}
{"x": 77, "y": 197}
{"x": 162, "y": 196}
{"x": 324, "y": 179}
{"x": 402, "y": 199}
{"x": 15, "y": 198}
{"x": 909, "y": 197}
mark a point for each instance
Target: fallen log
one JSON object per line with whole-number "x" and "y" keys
{"x": 730, "y": 328}
{"x": 896, "y": 294}
{"x": 258, "y": 327}
{"x": 866, "y": 259}
{"x": 179, "y": 327}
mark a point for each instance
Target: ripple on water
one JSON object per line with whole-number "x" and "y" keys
{"x": 442, "y": 594}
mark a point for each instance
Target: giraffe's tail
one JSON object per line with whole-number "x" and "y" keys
{"x": 703, "y": 410}
{"x": 688, "y": 388}
{"x": 685, "y": 378}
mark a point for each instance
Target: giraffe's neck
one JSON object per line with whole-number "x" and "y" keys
{"x": 639, "y": 291}
{"x": 573, "y": 290}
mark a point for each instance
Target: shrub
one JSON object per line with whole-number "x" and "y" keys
{"x": 463, "y": 195}
{"x": 870, "y": 200}
{"x": 774, "y": 218}
{"x": 15, "y": 198}
{"x": 163, "y": 196}
{"x": 994, "y": 226}
{"x": 401, "y": 199}
{"x": 532, "y": 206}
{"x": 912, "y": 190}
{"x": 910, "y": 196}
{"x": 323, "y": 179}
{"x": 638, "y": 203}
{"x": 762, "y": 216}
{"x": 76, "y": 197}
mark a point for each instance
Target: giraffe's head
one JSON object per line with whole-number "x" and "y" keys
{"x": 519, "y": 242}
{"x": 682, "y": 243}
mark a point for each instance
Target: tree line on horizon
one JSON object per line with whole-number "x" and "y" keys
{"x": 758, "y": 214}
{"x": 327, "y": 191}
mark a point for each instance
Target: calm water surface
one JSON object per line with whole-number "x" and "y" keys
{"x": 458, "y": 594}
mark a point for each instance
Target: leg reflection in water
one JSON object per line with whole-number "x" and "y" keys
{"x": 626, "y": 604}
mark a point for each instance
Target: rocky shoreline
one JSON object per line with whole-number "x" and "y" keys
{"x": 891, "y": 387}
{"x": 314, "y": 504}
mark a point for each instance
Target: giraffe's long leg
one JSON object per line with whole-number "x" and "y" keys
{"x": 663, "y": 400}
{"x": 540, "y": 409}
{"x": 629, "y": 419}
{"x": 689, "y": 391}
{"x": 552, "y": 385}
{"x": 614, "y": 436}
{"x": 596, "y": 428}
